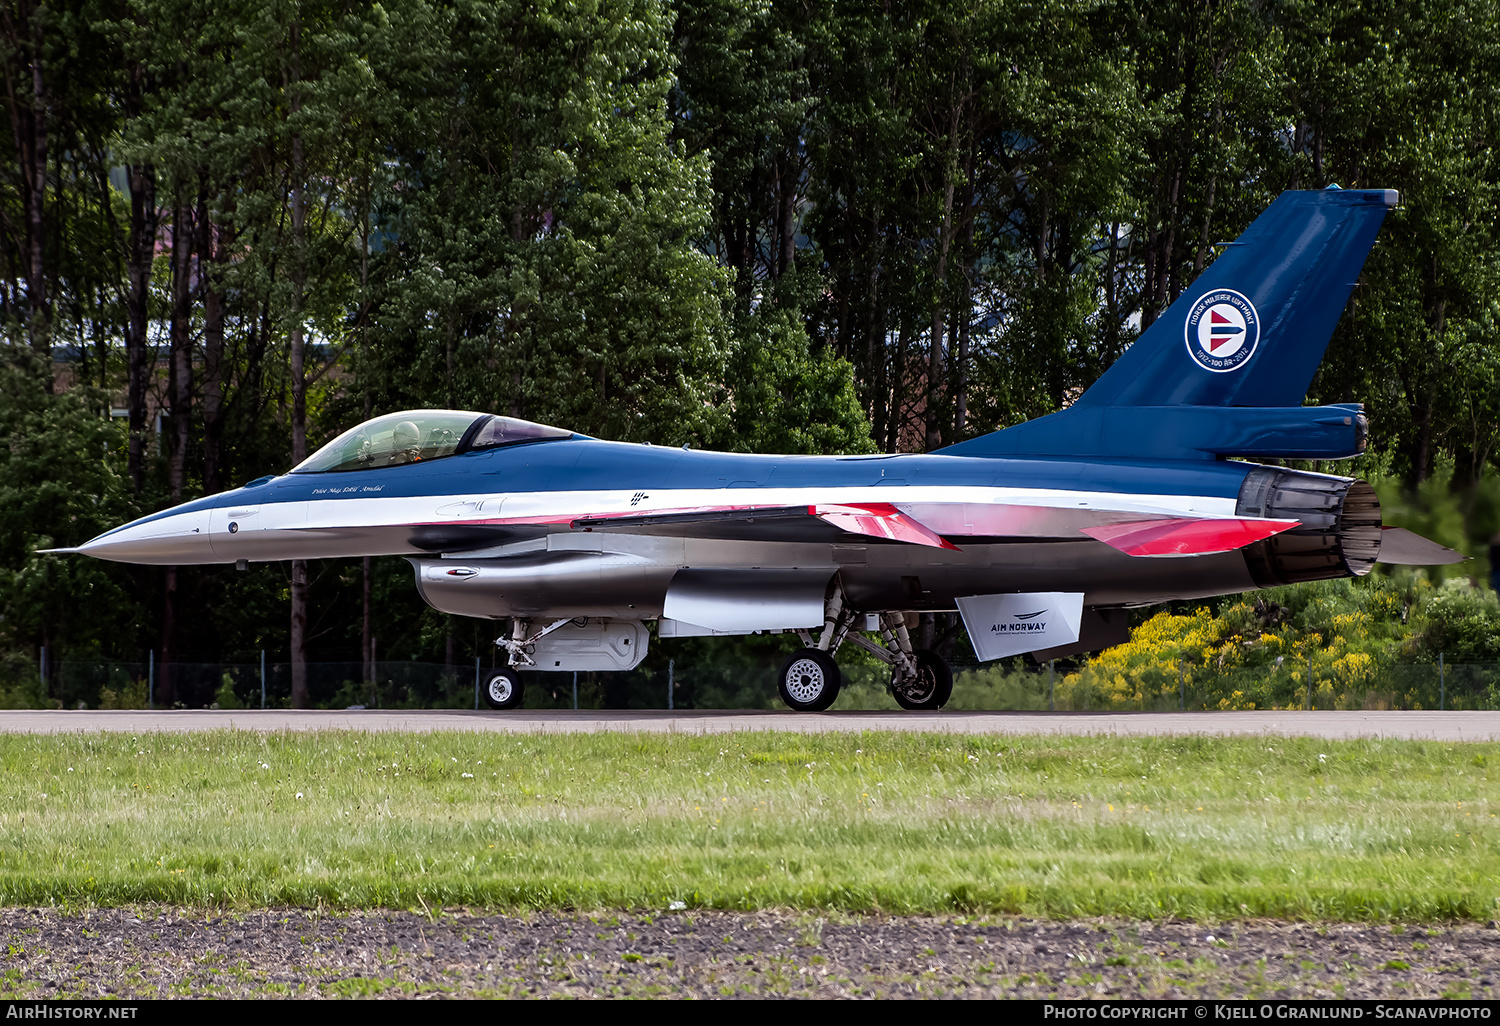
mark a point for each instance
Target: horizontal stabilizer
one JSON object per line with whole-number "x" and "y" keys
{"x": 1400, "y": 547}
{"x": 1186, "y": 537}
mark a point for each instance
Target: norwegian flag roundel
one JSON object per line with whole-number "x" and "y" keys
{"x": 1222, "y": 331}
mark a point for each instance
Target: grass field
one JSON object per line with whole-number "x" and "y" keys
{"x": 902, "y": 823}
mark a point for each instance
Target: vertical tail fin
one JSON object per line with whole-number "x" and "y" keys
{"x": 1252, "y": 329}
{"x": 1249, "y": 332}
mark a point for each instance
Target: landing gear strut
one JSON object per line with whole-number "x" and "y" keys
{"x": 930, "y": 688}
{"x": 810, "y": 679}
{"x": 503, "y": 689}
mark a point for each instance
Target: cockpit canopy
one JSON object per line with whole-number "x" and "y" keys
{"x": 413, "y": 436}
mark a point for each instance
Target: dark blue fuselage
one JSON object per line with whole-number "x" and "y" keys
{"x": 583, "y": 464}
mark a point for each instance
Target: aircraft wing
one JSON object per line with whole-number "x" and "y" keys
{"x": 775, "y": 523}
{"x": 934, "y": 524}
{"x": 1187, "y": 537}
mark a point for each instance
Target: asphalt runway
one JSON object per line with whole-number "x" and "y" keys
{"x": 1430, "y": 726}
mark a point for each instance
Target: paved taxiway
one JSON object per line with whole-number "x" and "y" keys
{"x": 1434, "y": 726}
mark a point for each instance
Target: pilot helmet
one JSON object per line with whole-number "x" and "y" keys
{"x": 406, "y": 435}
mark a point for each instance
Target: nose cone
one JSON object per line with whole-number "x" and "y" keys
{"x": 175, "y": 536}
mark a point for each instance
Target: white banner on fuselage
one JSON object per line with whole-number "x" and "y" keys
{"x": 1007, "y": 625}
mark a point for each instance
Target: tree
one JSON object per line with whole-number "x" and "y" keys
{"x": 59, "y": 485}
{"x": 741, "y": 101}
{"x": 541, "y": 263}
{"x": 1403, "y": 96}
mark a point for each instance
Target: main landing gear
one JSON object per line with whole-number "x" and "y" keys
{"x": 930, "y": 688}
{"x": 810, "y": 679}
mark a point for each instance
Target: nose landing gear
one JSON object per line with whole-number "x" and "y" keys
{"x": 503, "y": 689}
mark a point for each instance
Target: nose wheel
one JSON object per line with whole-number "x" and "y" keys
{"x": 503, "y": 690}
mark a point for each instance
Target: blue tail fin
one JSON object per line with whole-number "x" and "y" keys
{"x": 1249, "y": 332}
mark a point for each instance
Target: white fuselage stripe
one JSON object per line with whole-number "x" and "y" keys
{"x": 308, "y": 528}
{"x": 377, "y": 512}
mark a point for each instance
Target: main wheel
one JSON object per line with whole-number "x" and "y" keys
{"x": 809, "y": 680}
{"x": 933, "y": 686}
{"x": 504, "y": 689}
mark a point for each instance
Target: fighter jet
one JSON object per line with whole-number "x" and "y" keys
{"x": 1041, "y": 536}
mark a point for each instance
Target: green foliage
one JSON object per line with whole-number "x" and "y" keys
{"x": 787, "y": 397}
{"x": 1401, "y": 95}
{"x": 1462, "y": 623}
{"x": 545, "y": 266}
{"x": 1371, "y": 642}
{"x": 132, "y": 695}
{"x": 20, "y": 683}
{"x": 773, "y": 226}
{"x": 59, "y": 486}
{"x": 225, "y": 698}
{"x": 1484, "y": 509}
{"x": 714, "y": 673}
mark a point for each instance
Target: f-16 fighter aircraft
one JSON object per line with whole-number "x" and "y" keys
{"x": 1041, "y": 535}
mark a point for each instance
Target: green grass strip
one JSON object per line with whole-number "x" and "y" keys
{"x": 904, "y": 823}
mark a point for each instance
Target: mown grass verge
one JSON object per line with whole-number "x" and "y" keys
{"x": 905, "y": 823}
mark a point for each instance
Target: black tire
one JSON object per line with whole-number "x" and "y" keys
{"x": 503, "y": 690}
{"x": 809, "y": 680}
{"x": 933, "y": 686}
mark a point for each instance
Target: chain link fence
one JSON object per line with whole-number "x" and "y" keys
{"x": 1010, "y": 685}
{"x": 240, "y": 685}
